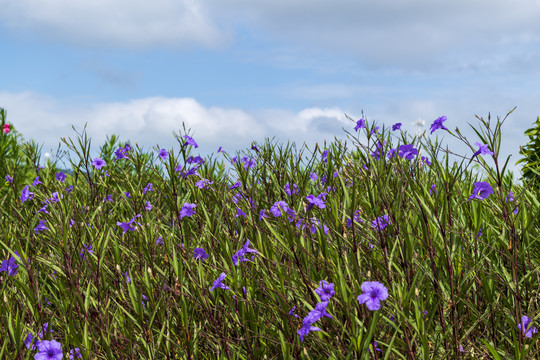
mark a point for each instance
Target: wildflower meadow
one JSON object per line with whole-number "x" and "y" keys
{"x": 385, "y": 245}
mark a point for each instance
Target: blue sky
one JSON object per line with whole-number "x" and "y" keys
{"x": 236, "y": 71}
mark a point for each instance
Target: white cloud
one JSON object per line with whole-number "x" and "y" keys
{"x": 116, "y": 23}
{"x": 151, "y": 121}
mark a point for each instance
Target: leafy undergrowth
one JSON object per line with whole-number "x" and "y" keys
{"x": 385, "y": 250}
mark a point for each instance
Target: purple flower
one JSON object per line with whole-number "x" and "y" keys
{"x": 510, "y": 197}
{"x": 149, "y": 187}
{"x": 306, "y": 328}
{"x": 381, "y": 222}
{"x": 375, "y": 347}
{"x": 86, "y": 249}
{"x": 275, "y": 209}
{"x": 313, "y": 176}
{"x": 197, "y": 160}
{"x": 379, "y": 150}
{"x": 49, "y": 350}
{"x": 108, "y": 198}
{"x": 218, "y": 283}
{"x": 9, "y": 179}
{"x": 36, "y": 182}
{"x": 159, "y": 240}
{"x": 396, "y": 126}
{"x": 391, "y": 154}
{"x": 187, "y": 210}
{"x": 235, "y": 185}
{"x": 288, "y": 191}
{"x": 98, "y": 163}
{"x": 128, "y": 225}
{"x": 26, "y": 194}
{"x": 199, "y": 253}
{"x": 316, "y": 201}
{"x": 201, "y": 184}
{"x": 317, "y": 313}
{"x": 324, "y": 156}
{"x": 41, "y": 226}
{"x": 163, "y": 154}
{"x": 360, "y": 124}
{"x": 374, "y": 293}
{"x": 239, "y": 212}
{"x": 479, "y": 233}
{"x": 61, "y": 177}
{"x": 262, "y": 214}
{"x": 220, "y": 149}
{"x": 325, "y": 290}
{"x": 316, "y": 222}
{"x": 75, "y": 353}
{"x": 148, "y": 206}
{"x": 481, "y": 191}
{"x": 239, "y": 256}
{"x": 426, "y": 161}
{"x": 483, "y": 150}
{"x": 9, "y": 266}
{"x": 438, "y": 124}
{"x": 190, "y": 141}
{"x": 248, "y": 163}
{"x": 29, "y": 343}
{"x": 407, "y": 152}
{"x": 432, "y": 189}
{"x": 121, "y": 153}
{"x": 528, "y": 330}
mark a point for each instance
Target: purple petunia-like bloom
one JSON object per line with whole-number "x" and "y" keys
{"x": 9, "y": 178}
{"x": 381, "y": 222}
{"x": 396, "y": 126}
{"x": 239, "y": 256}
{"x": 199, "y": 253}
{"x": 187, "y": 210}
{"x": 316, "y": 201}
{"x": 75, "y": 353}
{"x": 49, "y": 350}
{"x": 483, "y": 150}
{"x": 9, "y": 266}
{"x": 26, "y": 194}
{"x": 407, "y": 152}
{"x": 61, "y": 177}
{"x": 128, "y": 225}
{"x": 481, "y": 191}
{"x": 41, "y": 226}
{"x": 528, "y": 330}
{"x": 86, "y": 249}
{"x": 203, "y": 183}
{"x": 190, "y": 141}
{"x": 218, "y": 283}
{"x": 305, "y": 329}
{"x": 163, "y": 154}
{"x": 360, "y": 124}
{"x": 287, "y": 189}
{"x": 98, "y": 163}
{"x": 325, "y": 290}
{"x": 438, "y": 124}
{"x": 36, "y": 182}
{"x": 374, "y": 293}
{"x": 276, "y": 208}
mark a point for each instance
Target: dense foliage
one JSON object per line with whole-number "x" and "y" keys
{"x": 380, "y": 247}
{"x": 531, "y": 156}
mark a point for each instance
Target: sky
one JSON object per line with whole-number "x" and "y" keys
{"x": 239, "y": 71}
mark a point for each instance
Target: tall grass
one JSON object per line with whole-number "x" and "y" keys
{"x": 114, "y": 272}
